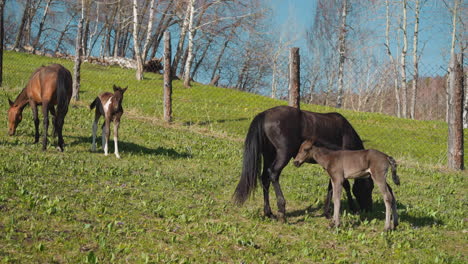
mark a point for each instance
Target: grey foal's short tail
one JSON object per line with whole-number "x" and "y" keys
{"x": 393, "y": 164}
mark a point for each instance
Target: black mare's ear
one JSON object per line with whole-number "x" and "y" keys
{"x": 10, "y": 102}
{"x": 124, "y": 89}
{"x": 115, "y": 87}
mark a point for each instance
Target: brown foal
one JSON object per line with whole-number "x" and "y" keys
{"x": 354, "y": 164}
{"x": 108, "y": 105}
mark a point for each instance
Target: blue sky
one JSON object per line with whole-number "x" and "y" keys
{"x": 435, "y": 28}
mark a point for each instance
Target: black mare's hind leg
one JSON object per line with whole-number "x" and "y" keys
{"x": 362, "y": 190}
{"x": 36, "y": 120}
{"x": 275, "y": 169}
{"x": 347, "y": 187}
{"x": 266, "y": 186}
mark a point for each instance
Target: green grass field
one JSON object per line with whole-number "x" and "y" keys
{"x": 168, "y": 200}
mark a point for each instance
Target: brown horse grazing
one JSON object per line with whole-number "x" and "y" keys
{"x": 276, "y": 135}
{"x": 349, "y": 164}
{"x": 48, "y": 86}
{"x": 110, "y": 106}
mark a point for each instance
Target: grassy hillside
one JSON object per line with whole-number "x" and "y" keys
{"x": 168, "y": 198}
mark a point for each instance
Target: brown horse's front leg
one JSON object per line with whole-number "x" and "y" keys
{"x": 36, "y": 120}
{"x": 45, "y": 112}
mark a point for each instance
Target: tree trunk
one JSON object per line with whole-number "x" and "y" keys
{"x": 191, "y": 31}
{"x": 218, "y": 60}
{"x": 78, "y": 54}
{"x": 167, "y": 77}
{"x": 149, "y": 30}
{"x": 202, "y": 57}
{"x": 180, "y": 45}
{"x": 404, "y": 89}
{"x": 294, "y": 78}
{"x": 41, "y": 26}
{"x": 392, "y": 60}
{"x": 136, "y": 46}
{"x": 162, "y": 26}
{"x": 455, "y": 120}
{"x": 117, "y": 30}
{"x": 342, "y": 50}
{"x": 19, "y": 36}
{"x": 415, "y": 60}
{"x": 62, "y": 34}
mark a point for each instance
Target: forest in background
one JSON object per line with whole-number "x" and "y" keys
{"x": 361, "y": 55}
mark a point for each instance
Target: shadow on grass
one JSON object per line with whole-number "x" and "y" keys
{"x": 131, "y": 148}
{"x": 208, "y": 122}
{"x": 378, "y": 212}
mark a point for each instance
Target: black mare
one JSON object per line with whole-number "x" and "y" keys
{"x": 276, "y": 134}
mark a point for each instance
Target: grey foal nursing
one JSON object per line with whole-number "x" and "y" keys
{"x": 353, "y": 164}
{"x": 108, "y": 105}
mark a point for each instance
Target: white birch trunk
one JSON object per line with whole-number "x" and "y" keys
{"x": 415, "y": 60}
{"x": 78, "y": 53}
{"x": 41, "y": 26}
{"x": 403, "y": 62}
{"x": 188, "y": 64}
{"x": 392, "y": 60}
{"x": 342, "y": 49}
{"x": 452, "y": 53}
{"x": 136, "y": 46}
{"x": 148, "y": 30}
{"x": 180, "y": 45}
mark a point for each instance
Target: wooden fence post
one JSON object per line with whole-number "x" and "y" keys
{"x": 167, "y": 77}
{"x": 294, "y": 78}
{"x": 455, "y": 113}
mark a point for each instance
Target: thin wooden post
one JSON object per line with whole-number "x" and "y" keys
{"x": 455, "y": 113}
{"x": 167, "y": 77}
{"x": 294, "y": 78}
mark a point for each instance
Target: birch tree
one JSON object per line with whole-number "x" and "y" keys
{"x": 415, "y": 59}
{"x": 78, "y": 54}
{"x": 392, "y": 59}
{"x": 41, "y": 25}
{"x": 136, "y": 46}
{"x": 342, "y": 50}
{"x": 24, "y": 18}
{"x": 404, "y": 50}
{"x": 191, "y": 32}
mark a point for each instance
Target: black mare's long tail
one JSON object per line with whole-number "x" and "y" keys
{"x": 251, "y": 162}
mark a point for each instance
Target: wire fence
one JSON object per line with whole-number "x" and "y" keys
{"x": 366, "y": 89}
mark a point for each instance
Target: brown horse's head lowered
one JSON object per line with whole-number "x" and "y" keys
{"x": 15, "y": 116}
{"x": 49, "y": 86}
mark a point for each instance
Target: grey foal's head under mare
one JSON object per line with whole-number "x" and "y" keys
{"x": 353, "y": 164}
{"x": 108, "y": 105}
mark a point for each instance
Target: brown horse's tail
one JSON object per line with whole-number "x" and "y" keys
{"x": 251, "y": 163}
{"x": 393, "y": 164}
{"x": 94, "y": 103}
{"x": 64, "y": 86}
